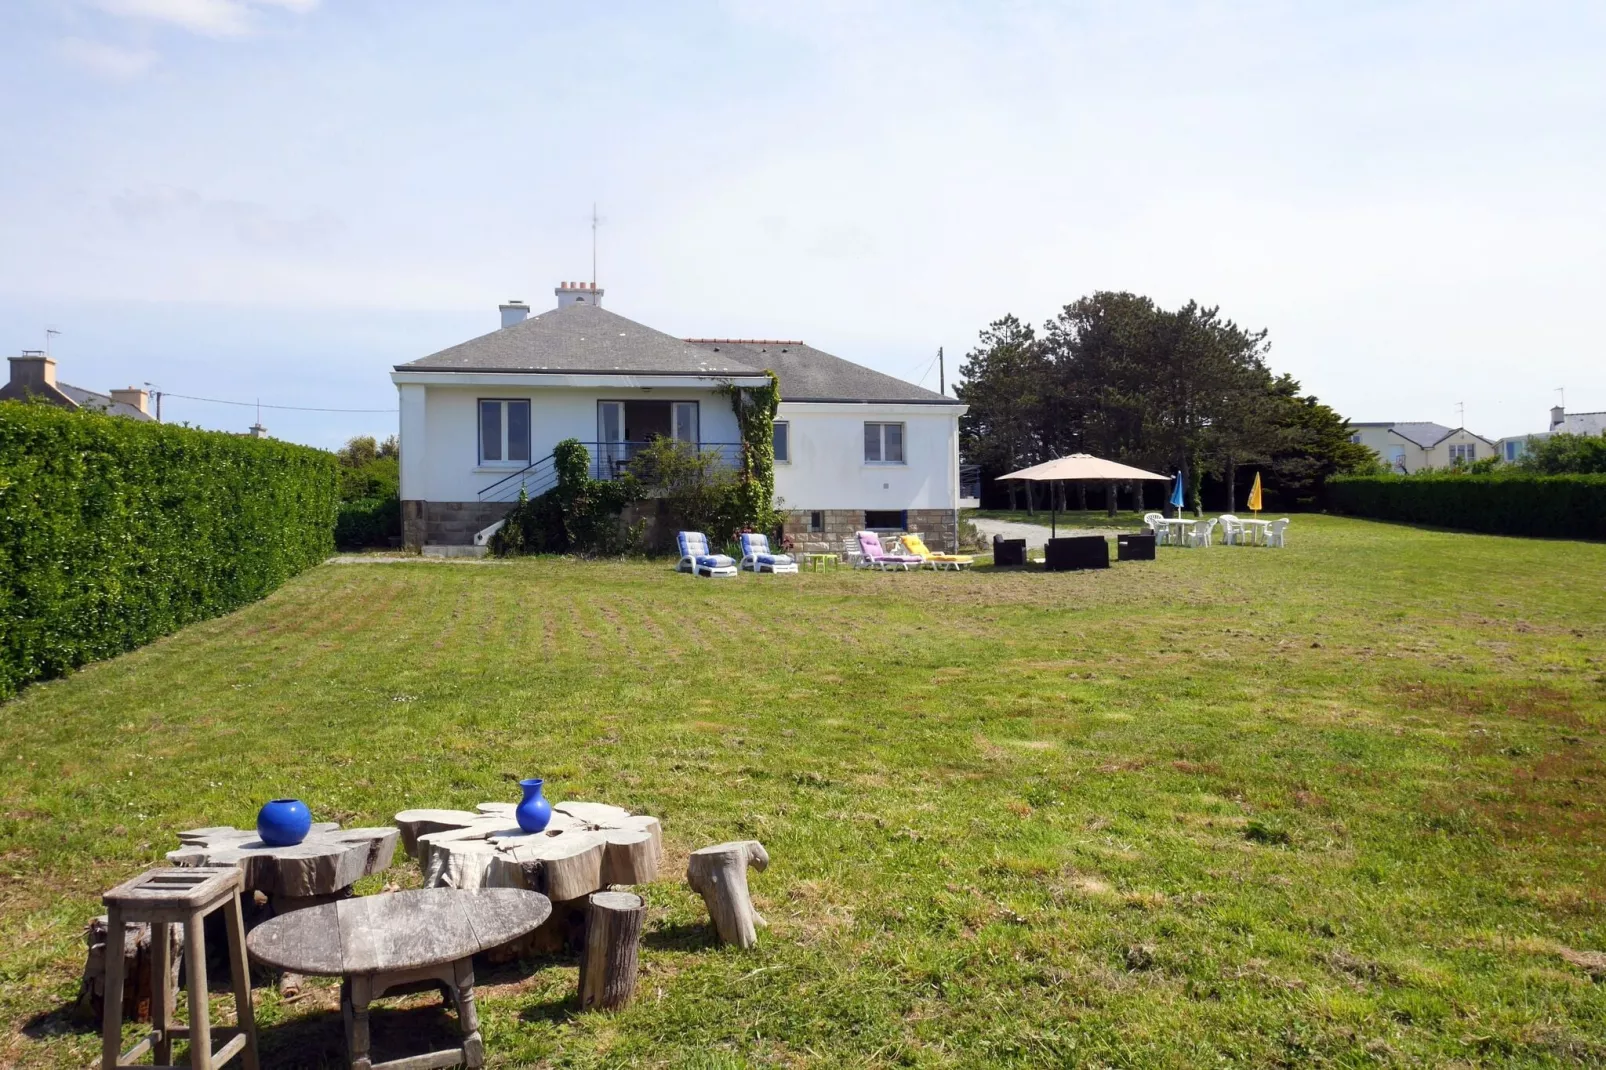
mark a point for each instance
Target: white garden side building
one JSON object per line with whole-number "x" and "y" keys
{"x": 854, "y": 448}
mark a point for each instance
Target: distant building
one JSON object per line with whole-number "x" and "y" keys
{"x": 1414, "y": 447}
{"x": 1561, "y": 422}
{"x": 34, "y": 375}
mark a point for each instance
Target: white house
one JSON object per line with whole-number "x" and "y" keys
{"x": 1561, "y": 422}
{"x": 854, "y": 448}
{"x": 1412, "y": 447}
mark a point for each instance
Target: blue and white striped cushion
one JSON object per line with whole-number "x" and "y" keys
{"x": 758, "y": 548}
{"x": 693, "y": 544}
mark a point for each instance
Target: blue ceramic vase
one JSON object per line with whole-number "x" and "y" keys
{"x": 284, "y": 822}
{"x": 534, "y": 811}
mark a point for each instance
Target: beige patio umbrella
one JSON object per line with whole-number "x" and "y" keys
{"x": 1080, "y": 466}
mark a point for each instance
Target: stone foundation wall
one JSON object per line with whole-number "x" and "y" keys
{"x": 448, "y": 523}
{"x": 936, "y": 526}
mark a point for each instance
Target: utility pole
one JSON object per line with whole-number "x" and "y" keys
{"x": 942, "y": 374}
{"x": 157, "y": 394}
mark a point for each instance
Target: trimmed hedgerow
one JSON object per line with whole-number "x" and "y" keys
{"x": 1572, "y": 506}
{"x": 114, "y": 532}
{"x": 367, "y": 522}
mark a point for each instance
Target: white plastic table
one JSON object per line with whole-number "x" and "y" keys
{"x": 1180, "y": 525}
{"x": 1256, "y": 530}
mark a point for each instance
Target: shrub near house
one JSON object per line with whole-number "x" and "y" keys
{"x": 114, "y": 532}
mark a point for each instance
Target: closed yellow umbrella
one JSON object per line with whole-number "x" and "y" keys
{"x": 1254, "y": 496}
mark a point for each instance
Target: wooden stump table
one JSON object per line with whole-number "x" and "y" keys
{"x": 320, "y": 869}
{"x": 587, "y": 847}
{"x": 379, "y": 942}
{"x": 325, "y": 864}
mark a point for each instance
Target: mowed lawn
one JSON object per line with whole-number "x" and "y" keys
{"x": 1341, "y": 804}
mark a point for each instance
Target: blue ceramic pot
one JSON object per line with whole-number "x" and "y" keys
{"x": 284, "y": 822}
{"x": 534, "y": 812}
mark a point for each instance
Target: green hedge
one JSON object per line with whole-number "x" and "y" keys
{"x": 367, "y": 522}
{"x": 1505, "y": 504}
{"x": 115, "y": 531}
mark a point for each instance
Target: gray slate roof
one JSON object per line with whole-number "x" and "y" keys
{"x": 88, "y": 399}
{"x": 809, "y": 374}
{"x": 1583, "y": 423}
{"x": 581, "y": 339}
{"x": 1423, "y": 434}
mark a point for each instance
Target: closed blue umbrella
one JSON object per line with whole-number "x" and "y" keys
{"x": 1176, "y": 495}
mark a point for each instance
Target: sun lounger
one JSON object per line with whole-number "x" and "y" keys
{"x": 915, "y": 545}
{"x": 756, "y": 555}
{"x": 695, "y": 558}
{"x": 876, "y": 556}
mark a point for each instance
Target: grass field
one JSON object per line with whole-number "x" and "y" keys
{"x": 1340, "y": 804}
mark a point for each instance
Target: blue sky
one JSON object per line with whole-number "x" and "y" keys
{"x": 281, "y": 199}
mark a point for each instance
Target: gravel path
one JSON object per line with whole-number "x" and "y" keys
{"x": 1034, "y": 534}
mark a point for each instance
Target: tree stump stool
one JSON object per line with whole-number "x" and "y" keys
{"x": 719, "y": 875}
{"x": 160, "y": 898}
{"x": 139, "y": 969}
{"x": 613, "y": 947}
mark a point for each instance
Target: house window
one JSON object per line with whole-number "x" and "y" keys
{"x": 684, "y": 417}
{"x": 504, "y": 432}
{"x": 885, "y": 519}
{"x": 783, "y": 442}
{"x": 1511, "y": 451}
{"x": 1355, "y": 438}
{"x": 816, "y": 521}
{"x": 1466, "y": 453}
{"x": 883, "y": 443}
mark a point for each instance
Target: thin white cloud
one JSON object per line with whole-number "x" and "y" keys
{"x": 210, "y": 18}
{"x": 107, "y": 60}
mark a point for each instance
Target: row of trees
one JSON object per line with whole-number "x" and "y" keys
{"x": 1117, "y": 376}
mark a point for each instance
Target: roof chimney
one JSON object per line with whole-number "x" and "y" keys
{"x": 133, "y": 396}
{"x": 257, "y": 430}
{"x": 513, "y": 312}
{"x": 578, "y": 293}
{"x": 1558, "y": 415}
{"x": 33, "y": 370}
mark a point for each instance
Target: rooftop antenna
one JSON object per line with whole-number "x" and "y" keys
{"x": 1561, "y": 396}
{"x": 595, "y": 219}
{"x": 49, "y": 331}
{"x": 1461, "y": 414}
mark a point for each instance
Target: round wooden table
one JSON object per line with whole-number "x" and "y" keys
{"x": 378, "y": 942}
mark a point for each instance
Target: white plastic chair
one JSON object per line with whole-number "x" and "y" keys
{"x": 1157, "y": 526}
{"x": 1275, "y": 532}
{"x": 1232, "y": 532}
{"x": 1199, "y": 534}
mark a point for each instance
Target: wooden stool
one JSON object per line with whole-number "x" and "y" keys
{"x": 185, "y": 897}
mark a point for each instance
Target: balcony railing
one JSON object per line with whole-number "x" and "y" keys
{"x": 608, "y": 461}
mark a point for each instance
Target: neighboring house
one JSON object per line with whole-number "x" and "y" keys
{"x": 34, "y": 375}
{"x": 1413, "y": 447}
{"x": 854, "y": 448}
{"x": 1561, "y": 422}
